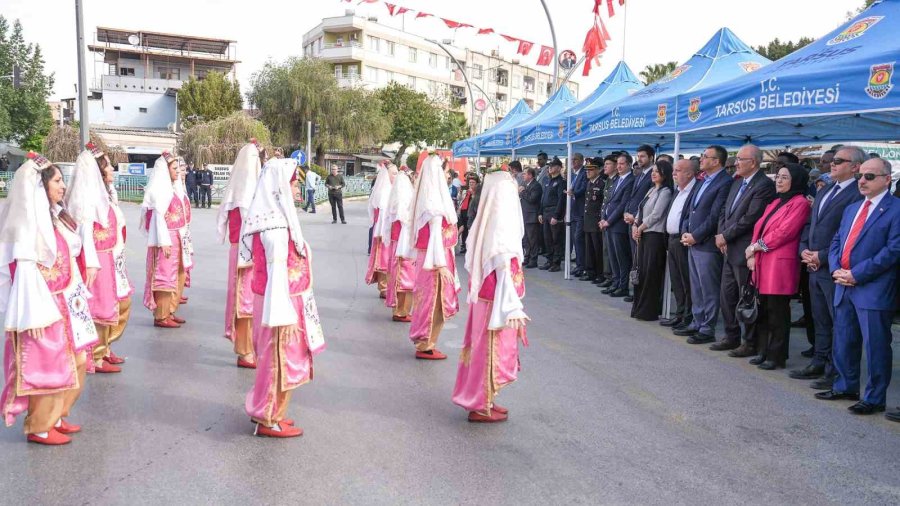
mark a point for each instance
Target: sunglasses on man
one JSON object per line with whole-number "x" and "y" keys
{"x": 869, "y": 176}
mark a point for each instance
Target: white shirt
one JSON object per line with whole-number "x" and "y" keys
{"x": 674, "y": 218}
{"x": 874, "y": 205}
{"x": 832, "y": 193}
{"x": 312, "y": 179}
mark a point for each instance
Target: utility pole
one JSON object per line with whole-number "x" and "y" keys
{"x": 82, "y": 79}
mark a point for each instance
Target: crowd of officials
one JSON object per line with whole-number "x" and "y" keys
{"x": 740, "y": 241}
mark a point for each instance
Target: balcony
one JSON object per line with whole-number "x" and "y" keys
{"x": 352, "y": 81}
{"x": 128, "y": 83}
{"x": 341, "y": 52}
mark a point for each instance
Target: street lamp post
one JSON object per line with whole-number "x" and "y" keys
{"x": 82, "y": 79}
{"x": 555, "y": 52}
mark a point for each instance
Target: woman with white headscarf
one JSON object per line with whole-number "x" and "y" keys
{"x": 184, "y": 233}
{"x": 434, "y": 235}
{"x": 162, "y": 217}
{"x": 286, "y": 329}
{"x": 239, "y": 295}
{"x": 401, "y": 254}
{"x": 90, "y": 201}
{"x": 47, "y": 321}
{"x": 376, "y": 273}
{"x": 490, "y": 356}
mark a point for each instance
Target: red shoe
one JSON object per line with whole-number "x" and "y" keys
{"x": 166, "y": 323}
{"x": 430, "y": 355}
{"x": 177, "y": 319}
{"x": 183, "y": 300}
{"x": 114, "y": 359}
{"x": 286, "y": 421}
{"x": 54, "y": 438}
{"x": 404, "y": 319}
{"x": 382, "y": 295}
{"x": 499, "y": 409}
{"x": 245, "y": 365}
{"x": 495, "y": 417}
{"x": 65, "y": 427}
{"x": 286, "y": 431}
{"x": 106, "y": 367}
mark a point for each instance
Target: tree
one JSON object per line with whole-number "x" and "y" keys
{"x": 290, "y": 94}
{"x": 451, "y": 127}
{"x": 218, "y": 141}
{"x": 63, "y": 144}
{"x": 413, "y": 117}
{"x": 657, "y": 71}
{"x": 208, "y": 99}
{"x": 24, "y": 114}
{"x": 777, "y": 50}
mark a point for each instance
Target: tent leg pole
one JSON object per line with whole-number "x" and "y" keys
{"x": 569, "y": 202}
{"x": 667, "y": 285}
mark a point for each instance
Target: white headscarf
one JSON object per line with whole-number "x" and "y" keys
{"x": 496, "y": 234}
{"x": 432, "y": 197}
{"x": 159, "y": 191}
{"x": 400, "y": 203}
{"x": 241, "y": 184}
{"x": 381, "y": 190}
{"x": 272, "y": 206}
{"x": 87, "y": 196}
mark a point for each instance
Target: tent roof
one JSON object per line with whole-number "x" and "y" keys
{"x": 469, "y": 147}
{"x": 502, "y": 140}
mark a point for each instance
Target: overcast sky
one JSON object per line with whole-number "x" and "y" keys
{"x": 655, "y": 31}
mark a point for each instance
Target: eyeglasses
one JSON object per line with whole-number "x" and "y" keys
{"x": 868, "y": 176}
{"x": 839, "y": 161}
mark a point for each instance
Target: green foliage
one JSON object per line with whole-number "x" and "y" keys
{"x": 209, "y": 99}
{"x": 412, "y": 161}
{"x": 24, "y": 114}
{"x": 452, "y": 127}
{"x": 657, "y": 71}
{"x": 412, "y": 116}
{"x": 777, "y": 50}
{"x": 219, "y": 141}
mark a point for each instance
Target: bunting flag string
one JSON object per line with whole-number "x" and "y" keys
{"x": 597, "y": 36}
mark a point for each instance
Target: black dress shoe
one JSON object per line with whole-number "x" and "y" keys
{"x": 757, "y": 360}
{"x": 608, "y": 290}
{"x": 606, "y": 283}
{"x": 864, "y": 408}
{"x": 531, "y": 265}
{"x": 769, "y": 365}
{"x": 586, "y": 277}
{"x": 831, "y": 395}
{"x": 822, "y": 384}
{"x": 577, "y": 273}
{"x": 725, "y": 344}
{"x": 809, "y": 372}
{"x": 701, "y": 338}
{"x": 799, "y": 323}
{"x": 554, "y": 268}
{"x": 544, "y": 267}
{"x": 685, "y": 332}
{"x": 744, "y": 350}
{"x": 619, "y": 293}
{"x": 670, "y": 322}
{"x": 628, "y": 298}
{"x": 809, "y": 352}
{"x": 893, "y": 416}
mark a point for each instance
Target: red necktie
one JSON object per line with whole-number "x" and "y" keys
{"x": 854, "y": 234}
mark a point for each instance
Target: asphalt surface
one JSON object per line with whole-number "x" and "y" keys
{"x": 607, "y": 410}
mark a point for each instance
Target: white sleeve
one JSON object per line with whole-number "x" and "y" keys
{"x": 403, "y": 243}
{"x": 507, "y": 304}
{"x": 435, "y": 256}
{"x": 159, "y": 232}
{"x": 278, "y": 310}
{"x": 30, "y": 304}
{"x": 87, "y": 245}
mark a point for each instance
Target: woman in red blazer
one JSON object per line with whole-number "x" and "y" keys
{"x": 773, "y": 256}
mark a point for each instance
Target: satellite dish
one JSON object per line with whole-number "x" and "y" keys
{"x": 134, "y": 40}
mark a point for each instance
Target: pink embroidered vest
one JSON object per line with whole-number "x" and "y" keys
{"x": 234, "y": 225}
{"x": 489, "y": 285}
{"x": 105, "y": 237}
{"x": 448, "y": 232}
{"x": 298, "y": 269}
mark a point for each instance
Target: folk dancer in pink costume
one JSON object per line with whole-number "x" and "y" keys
{"x": 490, "y": 356}
{"x": 48, "y": 325}
{"x": 91, "y": 202}
{"x": 402, "y": 256}
{"x": 162, "y": 217}
{"x": 187, "y": 243}
{"x": 239, "y": 295}
{"x": 376, "y": 273}
{"x": 286, "y": 329}
{"x": 434, "y": 237}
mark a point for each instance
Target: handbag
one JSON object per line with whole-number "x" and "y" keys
{"x": 747, "y": 309}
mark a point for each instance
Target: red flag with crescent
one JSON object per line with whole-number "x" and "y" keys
{"x": 546, "y": 56}
{"x": 524, "y": 47}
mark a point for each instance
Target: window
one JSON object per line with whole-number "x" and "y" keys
{"x": 126, "y": 71}
{"x": 142, "y": 109}
{"x": 353, "y": 70}
{"x": 412, "y": 82}
{"x": 413, "y": 55}
{"x": 374, "y": 43}
{"x": 388, "y": 76}
{"x": 477, "y": 71}
{"x": 390, "y": 48}
{"x": 432, "y": 60}
{"x": 528, "y": 84}
{"x": 117, "y": 108}
{"x": 371, "y": 74}
{"x": 515, "y": 81}
{"x": 339, "y": 41}
{"x": 171, "y": 73}
{"x": 338, "y": 71}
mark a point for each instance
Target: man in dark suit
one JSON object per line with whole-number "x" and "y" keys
{"x": 530, "y": 196}
{"x": 685, "y": 175}
{"x": 616, "y": 229}
{"x": 642, "y": 184}
{"x": 576, "y": 199}
{"x": 611, "y": 178}
{"x": 704, "y": 259}
{"x": 747, "y": 198}
{"x": 593, "y": 251}
{"x": 553, "y": 216}
{"x": 825, "y": 218}
{"x": 863, "y": 260}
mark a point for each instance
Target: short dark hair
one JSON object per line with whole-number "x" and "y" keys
{"x": 542, "y": 154}
{"x": 611, "y": 158}
{"x": 721, "y": 153}
{"x": 646, "y": 148}
{"x": 556, "y": 162}
{"x": 515, "y": 164}
{"x": 531, "y": 172}
{"x": 666, "y": 157}
{"x": 788, "y": 156}
{"x": 628, "y": 159}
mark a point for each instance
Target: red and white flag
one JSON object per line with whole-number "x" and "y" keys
{"x": 546, "y": 56}
{"x": 485, "y": 31}
{"x": 394, "y": 10}
{"x": 455, "y": 24}
{"x": 422, "y": 15}
{"x": 524, "y": 47}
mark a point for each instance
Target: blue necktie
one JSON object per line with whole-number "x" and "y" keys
{"x": 700, "y": 191}
{"x": 737, "y": 198}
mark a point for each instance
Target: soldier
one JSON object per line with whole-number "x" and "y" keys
{"x": 593, "y": 242}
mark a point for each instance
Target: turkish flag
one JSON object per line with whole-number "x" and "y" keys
{"x": 546, "y": 56}
{"x": 509, "y": 38}
{"x": 594, "y": 46}
{"x": 422, "y": 15}
{"x": 394, "y": 10}
{"x": 366, "y": 2}
{"x": 455, "y": 24}
{"x": 524, "y": 47}
{"x": 485, "y": 31}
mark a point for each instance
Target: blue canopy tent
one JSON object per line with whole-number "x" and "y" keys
{"x": 648, "y": 116}
{"x": 838, "y": 88}
{"x": 469, "y": 147}
{"x": 504, "y": 140}
{"x": 552, "y": 134}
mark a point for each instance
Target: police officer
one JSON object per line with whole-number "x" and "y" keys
{"x": 593, "y": 241}
{"x": 553, "y": 212}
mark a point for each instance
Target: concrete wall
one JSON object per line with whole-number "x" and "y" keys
{"x": 160, "y": 109}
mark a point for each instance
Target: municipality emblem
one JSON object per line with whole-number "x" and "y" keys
{"x": 749, "y": 66}
{"x": 855, "y": 30}
{"x": 562, "y": 129}
{"x": 674, "y": 74}
{"x": 518, "y": 136}
{"x": 880, "y": 80}
{"x": 578, "y": 126}
{"x": 661, "y": 114}
{"x": 694, "y": 109}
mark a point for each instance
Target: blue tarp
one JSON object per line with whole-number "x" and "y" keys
{"x": 839, "y": 88}
{"x": 551, "y": 135}
{"x": 648, "y": 116}
{"x": 503, "y": 140}
{"x": 469, "y": 147}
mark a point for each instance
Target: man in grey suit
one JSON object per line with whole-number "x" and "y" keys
{"x": 748, "y": 197}
{"x": 825, "y": 219}
{"x": 704, "y": 259}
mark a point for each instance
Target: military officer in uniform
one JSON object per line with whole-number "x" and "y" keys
{"x": 593, "y": 240}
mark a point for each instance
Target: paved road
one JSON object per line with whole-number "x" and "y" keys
{"x": 607, "y": 411}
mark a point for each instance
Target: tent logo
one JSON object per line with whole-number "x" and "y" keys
{"x": 578, "y": 126}
{"x": 880, "y": 80}
{"x": 749, "y": 66}
{"x": 855, "y": 30}
{"x": 694, "y": 109}
{"x": 661, "y": 114}
{"x": 674, "y": 74}
{"x": 508, "y": 137}
{"x": 518, "y": 136}
{"x": 562, "y": 129}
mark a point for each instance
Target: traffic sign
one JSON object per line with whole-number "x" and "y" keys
{"x": 300, "y": 156}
